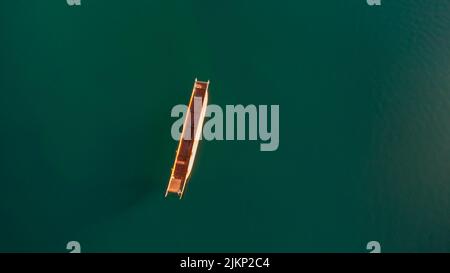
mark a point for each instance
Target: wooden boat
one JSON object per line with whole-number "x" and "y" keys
{"x": 190, "y": 136}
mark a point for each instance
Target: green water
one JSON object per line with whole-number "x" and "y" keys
{"x": 86, "y": 150}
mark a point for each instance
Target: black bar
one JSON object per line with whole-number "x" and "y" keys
{"x": 224, "y": 262}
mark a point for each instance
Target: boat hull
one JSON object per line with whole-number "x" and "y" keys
{"x": 189, "y": 139}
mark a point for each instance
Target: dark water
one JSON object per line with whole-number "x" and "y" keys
{"x": 86, "y": 151}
